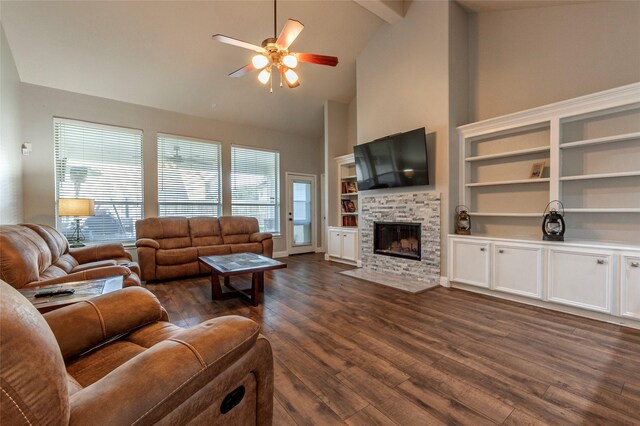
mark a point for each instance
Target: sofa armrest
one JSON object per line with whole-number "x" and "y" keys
{"x": 258, "y": 237}
{"x": 84, "y": 325}
{"x": 130, "y": 279}
{"x": 158, "y": 381}
{"x": 99, "y": 252}
{"x": 147, "y": 242}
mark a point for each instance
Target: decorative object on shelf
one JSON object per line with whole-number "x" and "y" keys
{"x": 553, "y": 225}
{"x": 536, "y": 170}
{"x": 76, "y": 207}
{"x": 352, "y": 188}
{"x": 463, "y": 220}
{"x": 274, "y": 53}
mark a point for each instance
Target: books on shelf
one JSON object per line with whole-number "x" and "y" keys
{"x": 349, "y": 187}
{"x": 350, "y": 220}
{"x": 349, "y": 206}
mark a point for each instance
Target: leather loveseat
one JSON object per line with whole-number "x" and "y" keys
{"x": 39, "y": 255}
{"x": 169, "y": 247}
{"x": 117, "y": 361}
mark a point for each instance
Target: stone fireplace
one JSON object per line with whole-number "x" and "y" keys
{"x": 421, "y": 210}
{"x": 397, "y": 239}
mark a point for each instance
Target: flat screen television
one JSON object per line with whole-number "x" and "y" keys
{"x": 393, "y": 161}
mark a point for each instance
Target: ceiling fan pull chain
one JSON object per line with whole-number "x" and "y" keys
{"x": 271, "y": 82}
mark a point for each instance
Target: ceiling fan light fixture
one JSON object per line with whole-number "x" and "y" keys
{"x": 291, "y": 76}
{"x": 264, "y": 75}
{"x": 259, "y": 61}
{"x": 290, "y": 61}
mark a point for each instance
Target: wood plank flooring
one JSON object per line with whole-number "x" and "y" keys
{"x": 347, "y": 351}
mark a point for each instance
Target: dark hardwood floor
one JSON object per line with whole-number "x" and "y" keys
{"x": 354, "y": 352}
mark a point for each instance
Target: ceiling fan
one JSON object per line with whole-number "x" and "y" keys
{"x": 274, "y": 53}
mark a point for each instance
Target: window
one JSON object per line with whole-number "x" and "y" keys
{"x": 189, "y": 181}
{"x": 103, "y": 163}
{"x": 255, "y": 186}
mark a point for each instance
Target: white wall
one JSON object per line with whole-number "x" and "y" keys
{"x": 335, "y": 145}
{"x": 530, "y": 57}
{"x": 403, "y": 84}
{"x": 10, "y": 137}
{"x": 40, "y": 104}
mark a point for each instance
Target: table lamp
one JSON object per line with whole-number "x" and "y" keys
{"x": 76, "y": 207}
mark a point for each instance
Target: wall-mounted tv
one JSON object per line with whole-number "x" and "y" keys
{"x": 393, "y": 161}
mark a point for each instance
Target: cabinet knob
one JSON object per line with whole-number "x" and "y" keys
{"x": 482, "y": 249}
{"x": 601, "y": 262}
{"x": 635, "y": 264}
{"x": 500, "y": 251}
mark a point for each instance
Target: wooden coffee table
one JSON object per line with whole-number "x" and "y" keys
{"x": 235, "y": 264}
{"x": 83, "y": 290}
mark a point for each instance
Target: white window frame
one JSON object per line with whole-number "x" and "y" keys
{"x": 63, "y": 225}
{"x": 278, "y": 188}
{"x": 217, "y": 206}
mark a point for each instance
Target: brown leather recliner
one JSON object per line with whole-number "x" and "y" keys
{"x": 169, "y": 247}
{"x": 38, "y": 255}
{"x": 116, "y": 361}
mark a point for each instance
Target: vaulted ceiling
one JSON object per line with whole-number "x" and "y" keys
{"x": 160, "y": 54}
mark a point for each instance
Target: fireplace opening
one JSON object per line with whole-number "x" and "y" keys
{"x": 398, "y": 239}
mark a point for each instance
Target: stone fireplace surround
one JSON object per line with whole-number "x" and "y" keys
{"x": 422, "y": 207}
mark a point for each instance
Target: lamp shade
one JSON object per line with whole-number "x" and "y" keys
{"x": 76, "y": 207}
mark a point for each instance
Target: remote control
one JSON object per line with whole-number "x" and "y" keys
{"x": 55, "y": 293}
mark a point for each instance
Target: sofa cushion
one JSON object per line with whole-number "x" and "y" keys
{"x": 205, "y": 231}
{"x": 66, "y": 262}
{"x": 246, "y": 248}
{"x": 169, "y": 232}
{"x": 177, "y": 256}
{"x": 167, "y": 272}
{"x": 24, "y": 255}
{"x": 238, "y": 229}
{"x": 93, "y": 265}
{"x": 55, "y": 240}
{"x": 214, "y": 250}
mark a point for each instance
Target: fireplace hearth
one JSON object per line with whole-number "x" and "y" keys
{"x": 397, "y": 239}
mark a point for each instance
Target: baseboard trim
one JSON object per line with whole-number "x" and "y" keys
{"x": 277, "y": 254}
{"x": 444, "y": 282}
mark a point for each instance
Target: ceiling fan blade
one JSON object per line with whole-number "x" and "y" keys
{"x": 312, "y": 58}
{"x": 291, "y": 86}
{"x": 239, "y": 43}
{"x": 242, "y": 71}
{"x": 289, "y": 33}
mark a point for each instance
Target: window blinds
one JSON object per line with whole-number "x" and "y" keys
{"x": 255, "y": 186}
{"x": 103, "y": 163}
{"x": 189, "y": 173}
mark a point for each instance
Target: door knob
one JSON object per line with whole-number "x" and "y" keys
{"x": 600, "y": 262}
{"x": 482, "y": 249}
{"x": 500, "y": 251}
{"x": 635, "y": 264}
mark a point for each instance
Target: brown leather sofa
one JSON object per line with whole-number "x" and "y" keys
{"x": 116, "y": 361}
{"x": 38, "y": 255}
{"x": 169, "y": 247}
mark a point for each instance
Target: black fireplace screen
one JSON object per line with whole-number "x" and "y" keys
{"x": 398, "y": 239}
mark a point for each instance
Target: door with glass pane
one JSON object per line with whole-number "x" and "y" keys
{"x": 301, "y": 213}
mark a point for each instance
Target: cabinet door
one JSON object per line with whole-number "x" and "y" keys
{"x": 518, "y": 269}
{"x": 630, "y": 287}
{"x": 335, "y": 243}
{"x": 581, "y": 278}
{"x": 349, "y": 245}
{"x": 470, "y": 262}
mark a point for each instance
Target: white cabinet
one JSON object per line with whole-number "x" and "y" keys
{"x": 343, "y": 244}
{"x": 518, "y": 269}
{"x": 630, "y": 286}
{"x": 470, "y": 262}
{"x": 581, "y": 278}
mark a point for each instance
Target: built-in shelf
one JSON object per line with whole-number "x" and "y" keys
{"x": 348, "y": 194}
{"x": 349, "y": 214}
{"x": 508, "y": 154}
{"x": 601, "y": 176}
{"x": 503, "y": 214}
{"x": 508, "y": 182}
{"x": 349, "y": 177}
{"x": 596, "y": 141}
{"x": 603, "y": 210}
